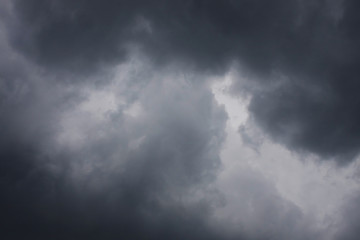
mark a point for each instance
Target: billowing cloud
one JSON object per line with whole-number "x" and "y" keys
{"x": 302, "y": 55}
{"x": 110, "y": 128}
{"x": 135, "y": 169}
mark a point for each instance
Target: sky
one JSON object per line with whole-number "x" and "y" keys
{"x": 169, "y": 119}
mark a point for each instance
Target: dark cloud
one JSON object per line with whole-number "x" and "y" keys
{"x": 205, "y": 33}
{"x": 133, "y": 177}
{"x": 311, "y": 47}
{"x": 144, "y": 169}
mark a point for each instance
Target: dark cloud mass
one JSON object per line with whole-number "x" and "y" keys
{"x": 144, "y": 168}
{"x": 158, "y": 165}
{"x": 309, "y": 51}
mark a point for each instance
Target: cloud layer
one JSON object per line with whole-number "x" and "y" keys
{"x": 111, "y": 129}
{"x": 303, "y": 55}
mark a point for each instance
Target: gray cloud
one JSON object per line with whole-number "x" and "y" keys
{"x": 144, "y": 169}
{"x": 134, "y": 177}
{"x": 257, "y": 209}
{"x": 348, "y": 228}
{"x": 308, "y": 50}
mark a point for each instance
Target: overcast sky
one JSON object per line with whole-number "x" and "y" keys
{"x": 180, "y": 119}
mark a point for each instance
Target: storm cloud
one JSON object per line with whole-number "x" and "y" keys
{"x": 302, "y": 55}
{"x": 67, "y": 173}
{"x": 110, "y": 126}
